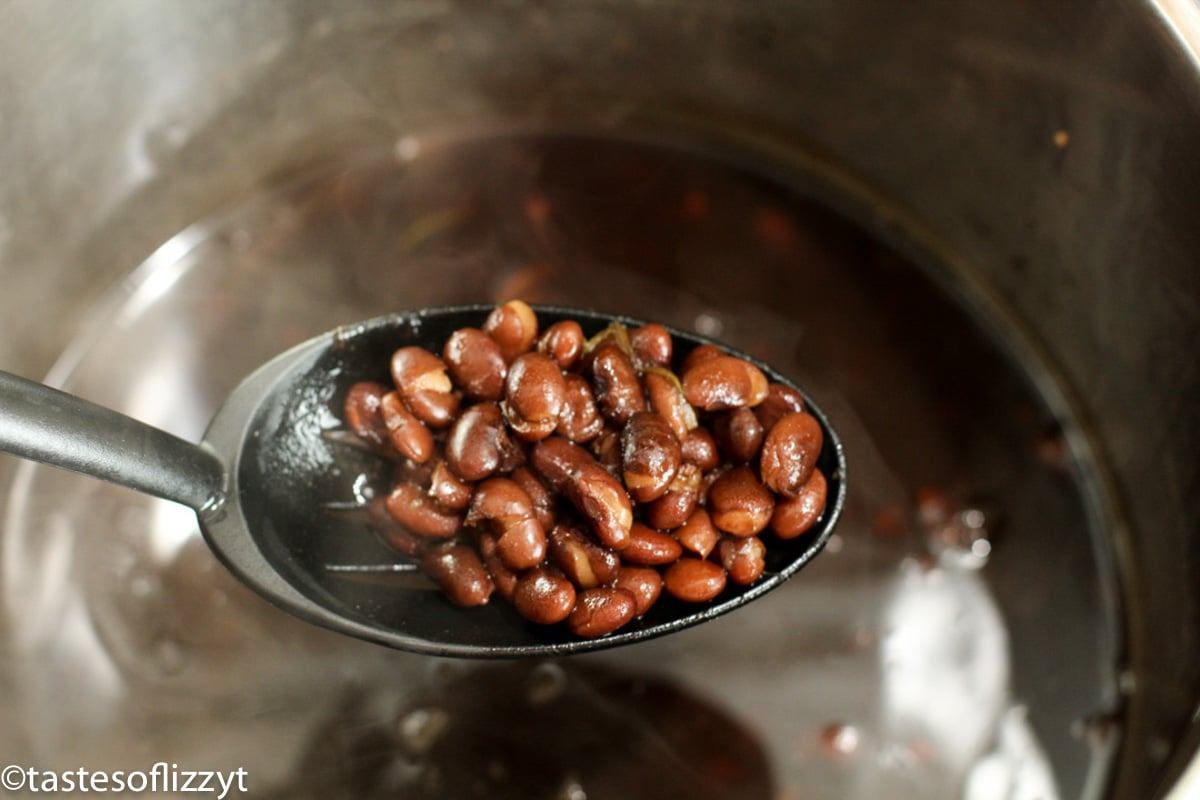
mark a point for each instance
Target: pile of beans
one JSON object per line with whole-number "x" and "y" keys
{"x": 579, "y": 478}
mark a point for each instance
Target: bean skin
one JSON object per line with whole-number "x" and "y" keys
{"x": 418, "y": 512}
{"x": 514, "y": 327}
{"x": 666, "y": 399}
{"x": 460, "y": 573}
{"x": 738, "y": 434}
{"x": 424, "y": 386}
{"x": 724, "y": 382}
{"x": 601, "y": 611}
{"x": 652, "y": 345}
{"x": 363, "y": 414}
{"x": 699, "y": 355}
{"x": 698, "y": 535}
{"x": 650, "y": 456}
{"x": 781, "y": 400}
{"x": 451, "y": 493}
{"x": 644, "y": 583}
{"x": 607, "y": 449}
{"x": 700, "y": 448}
{"x": 586, "y": 563}
{"x": 789, "y": 453}
{"x": 739, "y": 504}
{"x": 508, "y": 510}
{"x": 503, "y": 578}
{"x": 579, "y": 420}
{"x": 543, "y": 596}
{"x": 562, "y": 341}
{"x": 478, "y": 445}
{"x": 533, "y": 396}
{"x": 649, "y": 548}
{"x": 597, "y": 495}
{"x": 796, "y": 515}
{"x": 744, "y": 559}
{"x": 476, "y": 364}
{"x": 693, "y": 580}
{"x": 676, "y": 506}
{"x": 406, "y": 433}
{"x": 616, "y": 385}
{"x": 544, "y": 505}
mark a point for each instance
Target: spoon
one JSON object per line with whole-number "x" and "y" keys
{"x": 280, "y": 491}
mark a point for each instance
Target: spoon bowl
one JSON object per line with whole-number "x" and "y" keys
{"x": 280, "y": 489}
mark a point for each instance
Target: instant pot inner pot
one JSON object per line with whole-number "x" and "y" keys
{"x": 960, "y": 637}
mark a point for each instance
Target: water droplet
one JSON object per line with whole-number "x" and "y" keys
{"x": 421, "y": 727}
{"x": 708, "y": 324}
{"x": 839, "y": 738}
{"x": 547, "y": 682}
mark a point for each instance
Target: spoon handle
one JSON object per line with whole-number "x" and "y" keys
{"x": 44, "y": 424}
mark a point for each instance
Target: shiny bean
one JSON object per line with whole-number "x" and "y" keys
{"x": 406, "y": 433}
{"x": 698, "y": 535}
{"x": 739, "y": 504}
{"x": 650, "y": 456}
{"x": 644, "y": 583}
{"x": 450, "y": 492}
{"x": 514, "y": 327}
{"x": 579, "y": 420}
{"x": 508, "y": 510}
{"x": 693, "y": 580}
{"x": 789, "y": 453}
{"x": 650, "y": 548}
{"x": 744, "y": 558}
{"x": 598, "y": 496}
{"x": 533, "y": 396}
{"x": 665, "y": 396}
{"x": 562, "y": 341}
{"x": 460, "y": 573}
{"x": 424, "y": 386}
{"x": 724, "y": 382}
{"x": 781, "y": 400}
{"x": 544, "y": 505}
{"x": 616, "y": 385}
{"x": 476, "y": 364}
{"x": 585, "y": 562}
{"x": 700, "y": 448}
{"x": 478, "y": 445}
{"x": 418, "y": 512}
{"x": 392, "y": 532}
{"x": 607, "y": 449}
{"x": 794, "y": 516}
{"x": 362, "y": 412}
{"x": 601, "y": 611}
{"x": 503, "y": 578}
{"x": 543, "y": 596}
{"x": 652, "y": 345}
{"x": 698, "y": 355}
{"x": 738, "y": 434}
{"x": 676, "y": 506}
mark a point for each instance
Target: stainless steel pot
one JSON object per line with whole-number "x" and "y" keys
{"x": 1043, "y": 156}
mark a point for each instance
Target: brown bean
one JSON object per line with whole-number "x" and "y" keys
{"x": 781, "y": 400}
{"x": 739, "y": 504}
{"x": 504, "y": 578}
{"x": 363, "y": 414}
{"x": 650, "y": 456}
{"x": 738, "y": 433}
{"x": 460, "y": 573}
{"x": 514, "y": 327}
{"x": 598, "y": 496}
{"x": 796, "y": 515}
{"x": 724, "y": 382}
{"x": 700, "y": 448}
{"x": 789, "y": 453}
{"x": 601, "y": 611}
{"x": 644, "y": 583}
{"x": 544, "y": 505}
{"x": 406, "y": 433}
{"x": 585, "y": 562}
{"x": 424, "y": 386}
{"x": 562, "y": 341}
{"x": 698, "y": 535}
{"x": 650, "y": 548}
{"x": 508, "y": 510}
{"x": 533, "y": 396}
{"x": 651, "y": 344}
{"x": 450, "y": 492}
{"x": 392, "y": 532}
{"x": 544, "y": 596}
{"x": 666, "y": 399}
{"x": 744, "y": 558}
{"x": 616, "y": 385}
{"x": 579, "y": 420}
{"x": 607, "y": 449}
{"x": 676, "y": 506}
{"x": 478, "y": 445}
{"x": 694, "y": 580}
{"x": 418, "y": 512}
{"x": 698, "y": 355}
{"x": 476, "y": 364}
